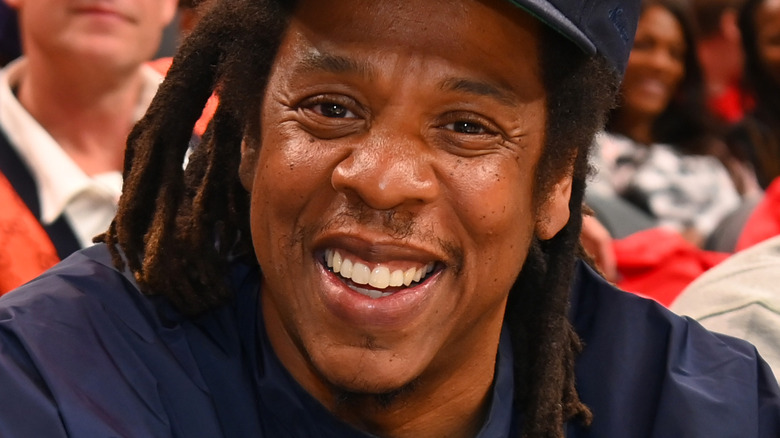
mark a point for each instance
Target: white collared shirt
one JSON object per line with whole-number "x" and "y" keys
{"x": 88, "y": 203}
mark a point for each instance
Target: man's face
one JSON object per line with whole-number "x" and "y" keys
{"x": 392, "y": 189}
{"x": 121, "y": 33}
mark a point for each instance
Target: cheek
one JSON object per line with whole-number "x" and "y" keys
{"x": 495, "y": 206}
{"x": 287, "y": 178}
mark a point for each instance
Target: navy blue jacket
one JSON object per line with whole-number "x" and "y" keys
{"x": 83, "y": 354}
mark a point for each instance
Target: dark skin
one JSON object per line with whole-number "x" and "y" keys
{"x": 399, "y": 148}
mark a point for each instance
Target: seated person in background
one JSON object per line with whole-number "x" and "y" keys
{"x": 757, "y": 137}
{"x": 377, "y": 237}
{"x": 719, "y": 50}
{"x": 66, "y": 108}
{"x": 740, "y": 297}
{"x": 654, "y": 159}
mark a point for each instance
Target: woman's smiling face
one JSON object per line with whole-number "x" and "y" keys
{"x": 656, "y": 65}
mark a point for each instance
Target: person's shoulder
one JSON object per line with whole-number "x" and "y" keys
{"x": 682, "y": 378}
{"x": 73, "y": 293}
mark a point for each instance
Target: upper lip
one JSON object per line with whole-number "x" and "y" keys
{"x": 380, "y": 249}
{"x": 101, "y": 8}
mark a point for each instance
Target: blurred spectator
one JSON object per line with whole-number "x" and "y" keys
{"x": 739, "y": 297}
{"x": 66, "y": 107}
{"x": 758, "y": 136}
{"x": 655, "y": 161}
{"x": 719, "y": 49}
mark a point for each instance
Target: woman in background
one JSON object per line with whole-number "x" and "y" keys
{"x": 656, "y": 163}
{"x": 757, "y": 138}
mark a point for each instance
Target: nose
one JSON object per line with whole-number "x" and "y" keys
{"x": 388, "y": 171}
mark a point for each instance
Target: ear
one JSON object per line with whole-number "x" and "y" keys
{"x": 246, "y": 170}
{"x": 553, "y": 213}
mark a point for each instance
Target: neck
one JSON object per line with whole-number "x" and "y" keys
{"x": 88, "y": 113}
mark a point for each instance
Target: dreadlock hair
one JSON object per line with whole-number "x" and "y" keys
{"x": 580, "y": 91}
{"x": 169, "y": 218}
{"x": 177, "y": 229}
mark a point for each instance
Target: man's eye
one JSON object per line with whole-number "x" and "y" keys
{"x": 333, "y": 110}
{"x": 466, "y": 128}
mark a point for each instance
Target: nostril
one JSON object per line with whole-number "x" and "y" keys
{"x": 386, "y": 182}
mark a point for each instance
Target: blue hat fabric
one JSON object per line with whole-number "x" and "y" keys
{"x": 606, "y": 27}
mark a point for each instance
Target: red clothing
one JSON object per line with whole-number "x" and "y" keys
{"x": 731, "y": 105}
{"x": 27, "y": 250}
{"x": 659, "y": 263}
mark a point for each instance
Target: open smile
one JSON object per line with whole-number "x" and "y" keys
{"x": 376, "y": 280}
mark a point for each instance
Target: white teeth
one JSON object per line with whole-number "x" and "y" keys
{"x": 397, "y": 278}
{"x": 409, "y": 276}
{"x": 360, "y": 273}
{"x": 379, "y": 278}
{"x": 337, "y": 261}
{"x": 346, "y": 268}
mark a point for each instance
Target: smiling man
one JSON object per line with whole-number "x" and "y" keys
{"x": 378, "y": 236}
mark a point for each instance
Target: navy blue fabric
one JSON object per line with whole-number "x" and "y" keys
{"x": 606, "y": 27}
{"x": 84, "y": 354}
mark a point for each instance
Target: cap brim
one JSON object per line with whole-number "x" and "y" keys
{"x": 547, "y": 13}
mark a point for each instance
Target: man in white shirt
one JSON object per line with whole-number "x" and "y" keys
{"x": 67, "y": 106}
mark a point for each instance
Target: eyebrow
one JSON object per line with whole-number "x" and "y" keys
{"x": 480, "y": 88}
{"x": 328, "y": 62}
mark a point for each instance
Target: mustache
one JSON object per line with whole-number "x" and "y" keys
{"x": 402, "y": 225}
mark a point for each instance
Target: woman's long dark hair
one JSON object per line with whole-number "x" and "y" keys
{"x": 686, "y": 122}
{"x": 759, "y": 134}
{"x": 176, "y": 229}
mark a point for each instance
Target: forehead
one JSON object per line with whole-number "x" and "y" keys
{"x": 490, "y": 38}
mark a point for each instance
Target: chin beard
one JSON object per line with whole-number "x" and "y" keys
{"x": 346, "y": 398}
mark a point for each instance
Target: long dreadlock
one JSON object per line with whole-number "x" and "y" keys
{"x": 177, "y": 229}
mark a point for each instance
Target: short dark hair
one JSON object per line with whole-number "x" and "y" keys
{"x": 177, "y": 231}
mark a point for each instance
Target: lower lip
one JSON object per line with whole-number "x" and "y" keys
{"x": 394, "y": 311}
{"x": 101, "y": 15}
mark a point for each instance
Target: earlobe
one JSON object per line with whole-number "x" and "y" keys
{"x": 554, "y": 211}
{"x": 246, "y": 169}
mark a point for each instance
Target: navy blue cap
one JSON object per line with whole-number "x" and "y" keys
{"x": 606, "y": 27}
